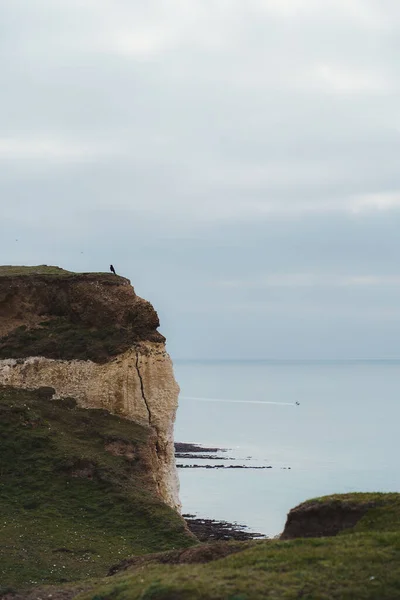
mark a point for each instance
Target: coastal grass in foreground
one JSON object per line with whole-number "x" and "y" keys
{"x": 357, "y": 566}
{"x": 70, "y": 506}
{"x": 362, "y": 562}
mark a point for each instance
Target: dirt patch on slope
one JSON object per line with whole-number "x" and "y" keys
{"x": 121, "y": 448}
{"x": 203, "y": 553}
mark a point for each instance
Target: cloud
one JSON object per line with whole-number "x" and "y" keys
{"x": 230, "y": 157}
{"x": 300, "y": 280}
{"x": 342, "y": 80}
{"x": 44, "y": 148}
{"x": 382, "y": 202}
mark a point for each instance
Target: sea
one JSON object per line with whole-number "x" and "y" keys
{"x": 323, "y": 427}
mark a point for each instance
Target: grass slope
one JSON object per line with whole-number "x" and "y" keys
{"x": 63, "y": 340}
{"x": 362, "y": 563}
{"x": 69, "y": 508}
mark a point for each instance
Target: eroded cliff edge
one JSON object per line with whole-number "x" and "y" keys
{"x": 90, "y": 337}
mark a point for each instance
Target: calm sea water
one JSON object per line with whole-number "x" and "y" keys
{"x": 344, "y": 436}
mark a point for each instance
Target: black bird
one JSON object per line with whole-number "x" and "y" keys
{"x": 112, "y": 269}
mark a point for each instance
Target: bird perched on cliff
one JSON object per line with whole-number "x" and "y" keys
{"x": 112, "y": 269}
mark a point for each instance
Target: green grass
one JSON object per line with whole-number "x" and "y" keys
{"x": 21, "y": 270}
{"x": 56, "y": 526}
{"x": 385, "y": 516}
{"x": 61, "y": 339}
{"x": 352, "y": 567}
{"x": 356, "y": 498}
{"x": 383, "y": 510}
{"x": 361, "y": 563}
{"x": 11, "y": 270}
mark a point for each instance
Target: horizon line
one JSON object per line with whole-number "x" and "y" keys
{"x": 382, "y": 359}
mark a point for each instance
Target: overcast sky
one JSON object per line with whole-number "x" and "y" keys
{"x": 239, "y": 161}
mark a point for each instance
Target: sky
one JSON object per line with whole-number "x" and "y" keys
{"x": 238, "y": 161}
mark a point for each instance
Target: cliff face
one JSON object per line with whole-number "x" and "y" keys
{"x": 90, "y": 337}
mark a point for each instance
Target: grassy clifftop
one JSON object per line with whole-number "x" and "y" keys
{"x": 14, "y": 270}
{"x": 76, "y": 492}
{"x": 47, "y": 311}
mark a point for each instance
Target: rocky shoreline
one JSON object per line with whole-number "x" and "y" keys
{"x": 192, "y": 448}
{"x": 197, "y": 452}
{"x": 208, "y": 530}
{"x": 182, "y": 466}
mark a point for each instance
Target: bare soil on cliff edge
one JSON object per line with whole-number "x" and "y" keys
{"x": 46, "y": 311}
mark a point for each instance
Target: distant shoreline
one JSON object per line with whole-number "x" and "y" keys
{"x": 206, "y": 529}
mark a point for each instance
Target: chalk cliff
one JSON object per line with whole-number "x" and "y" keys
{"x": 90, "y": 337}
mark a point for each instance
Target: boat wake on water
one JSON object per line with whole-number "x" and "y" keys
{"x": 237, "y": 401}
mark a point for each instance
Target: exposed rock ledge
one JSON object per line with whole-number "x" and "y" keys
{"x": 89, "y": 336}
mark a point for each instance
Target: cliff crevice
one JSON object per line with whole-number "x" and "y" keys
{"x": 142, "y": 387}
